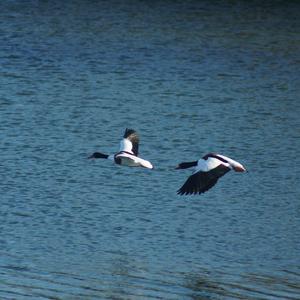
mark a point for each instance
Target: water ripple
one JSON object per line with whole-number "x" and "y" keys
{"x": 160, "y": 285}
{"x": 192, "y": 77}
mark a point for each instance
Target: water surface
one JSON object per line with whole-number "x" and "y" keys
{"x": 191, "y": 78}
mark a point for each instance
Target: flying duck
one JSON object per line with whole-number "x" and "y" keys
{"x": 128, "y": 153}
{"x": 207, "y": 171}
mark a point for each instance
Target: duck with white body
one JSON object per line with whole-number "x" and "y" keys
{"x": 207, "y": 171}
{"x": 128, "y": 152}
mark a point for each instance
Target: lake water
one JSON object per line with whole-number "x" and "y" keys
{"x": 191, "y": 77}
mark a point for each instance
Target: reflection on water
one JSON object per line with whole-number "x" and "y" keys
{"x": 191, "y": 78}
{"x": 249, "y": 286}
{"x": 123, "y": 280}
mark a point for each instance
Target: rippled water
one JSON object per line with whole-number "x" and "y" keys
{"x": 191, "y": 77}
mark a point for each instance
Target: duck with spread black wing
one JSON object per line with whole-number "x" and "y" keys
{"x": 207, "y": 171}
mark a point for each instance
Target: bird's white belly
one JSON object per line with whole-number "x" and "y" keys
{"x": 134, "y": 161}
{"x": 126, "y": 161}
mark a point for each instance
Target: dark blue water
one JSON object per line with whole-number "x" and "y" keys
{"x": 191, "y": 77}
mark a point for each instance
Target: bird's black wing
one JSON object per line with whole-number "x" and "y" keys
{"x": 133, "y": 137}
{"x": 201, "y": 182}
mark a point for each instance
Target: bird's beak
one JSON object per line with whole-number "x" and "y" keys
{"x": 177, "y": 167}
{"x": 90, "y": 157}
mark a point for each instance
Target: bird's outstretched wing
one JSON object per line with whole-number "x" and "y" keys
{"x": 133, "y": 137}
{"x": 201, "y": 182}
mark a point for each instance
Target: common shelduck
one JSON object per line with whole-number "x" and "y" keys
{"x": 128, "y": 153}
{"x": 207, "y": 171}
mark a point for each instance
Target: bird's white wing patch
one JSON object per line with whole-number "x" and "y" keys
{"x": 126, "y": 145}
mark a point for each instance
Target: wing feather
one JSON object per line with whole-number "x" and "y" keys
{"x": 133, "y": 137}
{"x": 201, "y": 182}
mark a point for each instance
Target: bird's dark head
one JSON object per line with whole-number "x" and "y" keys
{"x": 185, "y": 165}
{"x": 179, "y": 166}
{"x": 98, "y": 155}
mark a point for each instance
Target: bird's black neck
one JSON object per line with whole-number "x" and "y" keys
{"x": 99, "y": 155}
{"x": 186, "y": 165}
